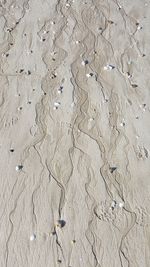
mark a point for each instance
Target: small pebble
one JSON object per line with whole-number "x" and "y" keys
{"x": 110, "y": 21}
{"x": 122, "y": 123}
{"x": 32, "y": 237}
{"x": 84, "y": 62}
{"x": 60, "y": 223}
{"x": 21, "y": 70}
{"x": 109, "y": 67}
{"x": 134, "y": 85}
{"x": 139, "y": 27}
{"x": 89, "y": 75}
{"x": 56, "y": 105}
{"x": 121, "y": 205}
{"x": 60, "y": 90}
{"x": 113, "y": 204}
{"x": 19, "y": 167}
{"x": 12, "y": 150}
{"x": 112, "y": 169}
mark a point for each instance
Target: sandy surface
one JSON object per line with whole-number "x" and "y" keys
{"x": 75, "y": 133}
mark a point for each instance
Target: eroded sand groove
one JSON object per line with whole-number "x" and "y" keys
{"x": 74, "y": 130}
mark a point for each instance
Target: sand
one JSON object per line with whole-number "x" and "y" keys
{"x": 75, "y": 133}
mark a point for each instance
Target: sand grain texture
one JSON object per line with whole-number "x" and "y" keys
{"x": 75, "y": 133}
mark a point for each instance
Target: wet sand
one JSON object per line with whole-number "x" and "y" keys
{"x": 75, "y": 133}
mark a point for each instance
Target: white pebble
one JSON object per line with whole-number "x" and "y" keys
{"x": 56, "y": 104}
{"x": 113, "y": 204}
{"x": 122, "y": 124}
{"x": 89, "y": 75}
{"x": 109, "y": 67}
{"x": 139, "y": 27}
{"x": 84, "y": 62}
{"x": 121, "y": 205}
{"x": 32, "y": 237}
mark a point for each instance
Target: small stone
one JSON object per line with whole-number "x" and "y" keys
{"x": 84, "y": 62}
{"x": 32, "y": 237}
{"x": 89, "y": 75}
{"x": 113, "y": 204}
{"x": 109, "y": 67}
{"x": 12, "y": 150}
{"x": 129, "y": 75}
{"x": 60, "y": 223}
{"x": 122, "y": 123}
{"x": 139, "y": 27}
{"x": 9, "y": 30}
{"x": 21, "y": 70}
{"x": 54, "y": 233}
{"x": 29, "y": 72}
{"x": 110, "y": 22}
{"x": 134, "y": 85}
{"x": 112, "y": 169}
{"x": 56, "y": 104}
{"x": 19, "y": 167}
{"x": 121, "y": 205}
{"x": 60, "y": 90}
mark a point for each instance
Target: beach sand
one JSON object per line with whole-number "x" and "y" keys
{"x": 75, "y": 133}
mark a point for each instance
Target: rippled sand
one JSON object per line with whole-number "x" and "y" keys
{"x": 75, "y": 133}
